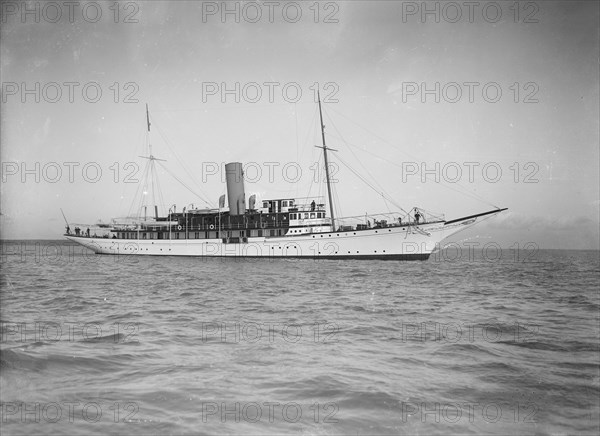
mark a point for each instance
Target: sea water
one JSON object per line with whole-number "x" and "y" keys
{"x": 484, "y": 343}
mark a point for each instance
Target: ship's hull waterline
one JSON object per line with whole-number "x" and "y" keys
{"x": 415, "y": 242}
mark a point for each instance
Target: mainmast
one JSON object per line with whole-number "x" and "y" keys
{"x": 148, "y": 117}
{"x": 151, "y": 169}
{"x": 324, "y": 147}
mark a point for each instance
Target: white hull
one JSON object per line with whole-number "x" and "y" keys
{"x": 400, "y": 243}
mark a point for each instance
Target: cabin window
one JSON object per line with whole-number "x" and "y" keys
{"x": 144, "y": 235}
{"x": 312, "y": 214}
{"x": 319, "y": 214}
{"x": 291, "y": 203}
{"x": 265, "y": 204}
{"x": 284, "y": 203}
{"x": 305, "y": 215}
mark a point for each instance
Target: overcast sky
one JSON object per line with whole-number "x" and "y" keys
{"x": 402, "y": 91}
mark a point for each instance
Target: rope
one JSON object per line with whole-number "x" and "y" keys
{"x": 179, "y": 160}
{"x": 466, "y": 192}
{"x": 164, "y": 167}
